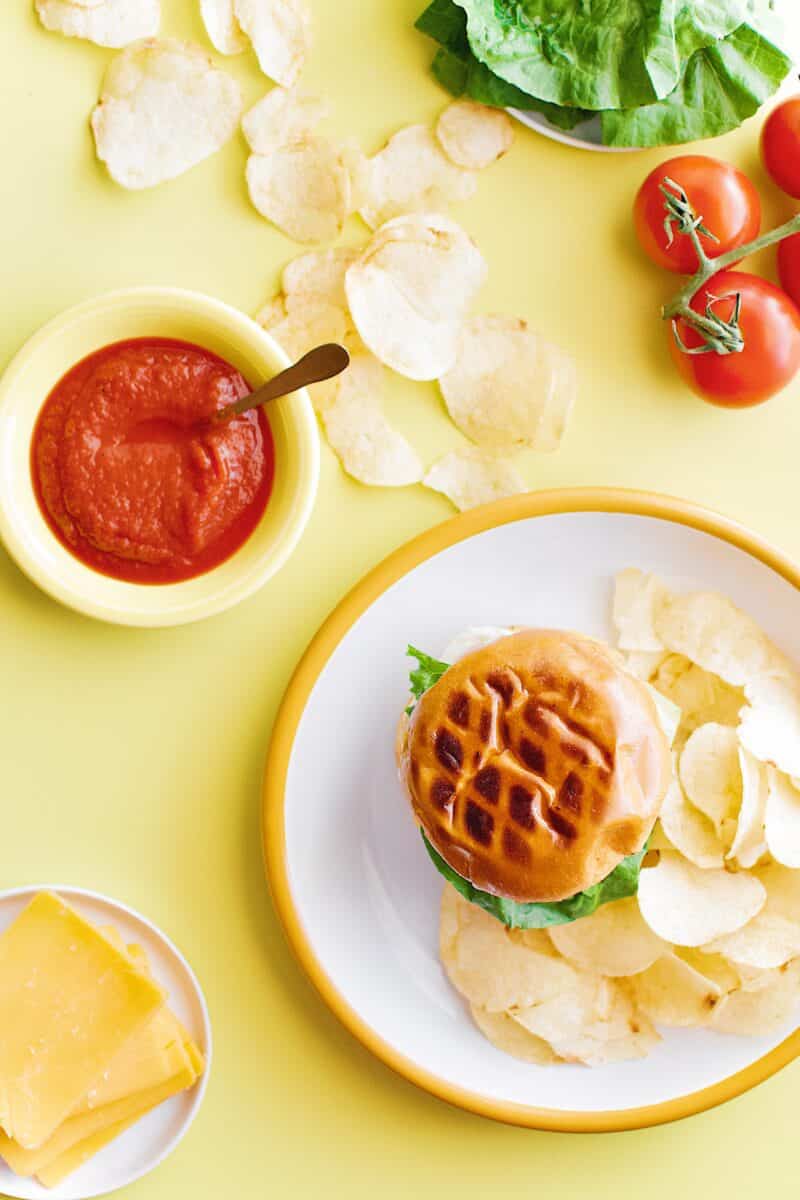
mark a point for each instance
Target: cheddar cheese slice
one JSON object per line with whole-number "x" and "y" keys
{"x": 52, "y": 1175}
{"x": 69, "y": 1003}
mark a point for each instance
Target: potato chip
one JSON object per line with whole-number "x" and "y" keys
{"x": 690, "y": 831}
{"x": 603, "y": 1029}
{"x": 222, "y": 27}
{"x": 469, "y": 478}
{"x": 669, "y": 715}
{"x": 491, "y": 969}
{"x": 283, "y": 116}
{"x": 301, "y": 328}
{"x": 565, "y": 1016}
{"x": 637, "y": 596}
{"x": 749, "y": 843}
{"x": 280, "y": 31}
{"x": 772, "y": 937}
{"x": 303, "y": 188}
{"x": 318, "y": 276}
{"x": 644, "y": 664}
{"x": 509, "y": 388}
{"x": 782, "y": 818}
{"x": 770, "y": 725}
{"x": 473, "y": 135}
{"x": 368, "y": 447}
{"x": 410, "y": 289}
{"x": 412, "y": 174}
{"x": 512, "y": 1038}
{"x": 703, "y": 698}
{"x": 359, "y": 168}
{"x": 714, "y": 966}
{"x": 711, "y": 772}
{"x": 272, "y": 313}
{"x": 711, "y": 631}
{"x": 762, "y": 1012}
{"x": 164, "y": 107}
{"x": 673, "y": 993}
{"x": 614, "y": 941}
{"x": 114, "y": 23}
{"x": 689, "y": 906}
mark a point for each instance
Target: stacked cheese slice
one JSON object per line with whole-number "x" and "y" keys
{"x": 87, "y": 1043}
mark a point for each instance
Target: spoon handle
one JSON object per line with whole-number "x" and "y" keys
{"x": 319, "y": 364}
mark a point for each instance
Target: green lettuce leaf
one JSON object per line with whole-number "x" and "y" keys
{"x": 427, "y": 672}
{"x": 722, "y": 86}
{"x": 622, "y": 882}
{"x": 458, "y": 71}
{"x": 596, "y": 54}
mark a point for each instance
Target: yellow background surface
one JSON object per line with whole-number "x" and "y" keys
{"x": 131, "y": 760}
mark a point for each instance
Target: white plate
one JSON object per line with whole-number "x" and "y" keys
{"x": 351, "y": 880}
{"x": 588, "y": 135}
{"x": 149, "y": 1141}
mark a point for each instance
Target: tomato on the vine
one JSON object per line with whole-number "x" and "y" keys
{"x": 724, "y": 197}
{"x": 789, "y": 266}
{"x": 780, "y": 146}
{"x": 770, "y": 326}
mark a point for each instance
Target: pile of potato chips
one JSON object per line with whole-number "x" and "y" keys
{"x": 713, "y": 937}
{"x": 401, "y": 299}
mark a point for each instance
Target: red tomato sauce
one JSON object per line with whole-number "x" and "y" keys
{"x": 128, "y": 477}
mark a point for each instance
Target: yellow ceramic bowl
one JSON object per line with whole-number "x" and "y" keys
{"x": 152, "y": 312}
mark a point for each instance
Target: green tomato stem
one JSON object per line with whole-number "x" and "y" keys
{"x": 680, "y": 305}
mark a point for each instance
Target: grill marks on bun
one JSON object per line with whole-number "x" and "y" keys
{"x": 535, "y": 765}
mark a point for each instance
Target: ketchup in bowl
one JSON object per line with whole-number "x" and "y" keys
{"x": 128, "y": 476}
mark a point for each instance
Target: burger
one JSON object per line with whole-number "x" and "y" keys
{"x": 536, "y": 766}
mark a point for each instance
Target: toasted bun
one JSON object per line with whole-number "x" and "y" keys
{"x": 535, "y": 765}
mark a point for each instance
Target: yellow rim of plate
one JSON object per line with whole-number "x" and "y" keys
{"x": 393, "y": 568}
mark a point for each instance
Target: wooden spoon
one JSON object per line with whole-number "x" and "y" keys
{"x": 321, "y": 363}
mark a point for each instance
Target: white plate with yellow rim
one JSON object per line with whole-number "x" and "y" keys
{"x": 148, "y": 1142}
{"x": 350, "y": 878}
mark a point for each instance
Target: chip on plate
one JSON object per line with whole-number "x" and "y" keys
{"x": 222, "y": 27}
{"x": 164, "y": 107}
{"x": 474, "y": 136}
{"x": 113, "y": 23}
{"x": 782, "y": 818}
{"x": 512, "y": 1038}
{"x": 690, "y": 831}
{"x": 749, "y": 843}
{"x": 280, "y": 31}
{"x": 409, "y": 291}
{"x": 772, "y": 937}
{"x": 711, "y": 773}
{"x": 637, "y": 596}
{"x": 613, "y": 941}
{"x": 672, "y": 992}
{"x": 369, "y": 449}
{"x": 303, "y": 188}
{"x": 471, "y": 477}
{"x": 761, "y": 1012}
{"x": 495, "y": 971}
{"x": 284, "y": 115}
{"x": 413, "y": 174}
{"x": 689, "y": 906}
{"x": 509, "y": 388}
{"x": 594, "y": 1023}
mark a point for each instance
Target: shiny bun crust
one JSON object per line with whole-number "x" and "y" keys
{"x": 535, "y": 765}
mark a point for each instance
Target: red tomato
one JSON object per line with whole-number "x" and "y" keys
{"x": 789, "y": 266}
{"x": 770, "y": 325}
{"x": 780, "y": 145}
{"x": 723, "y": 196}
